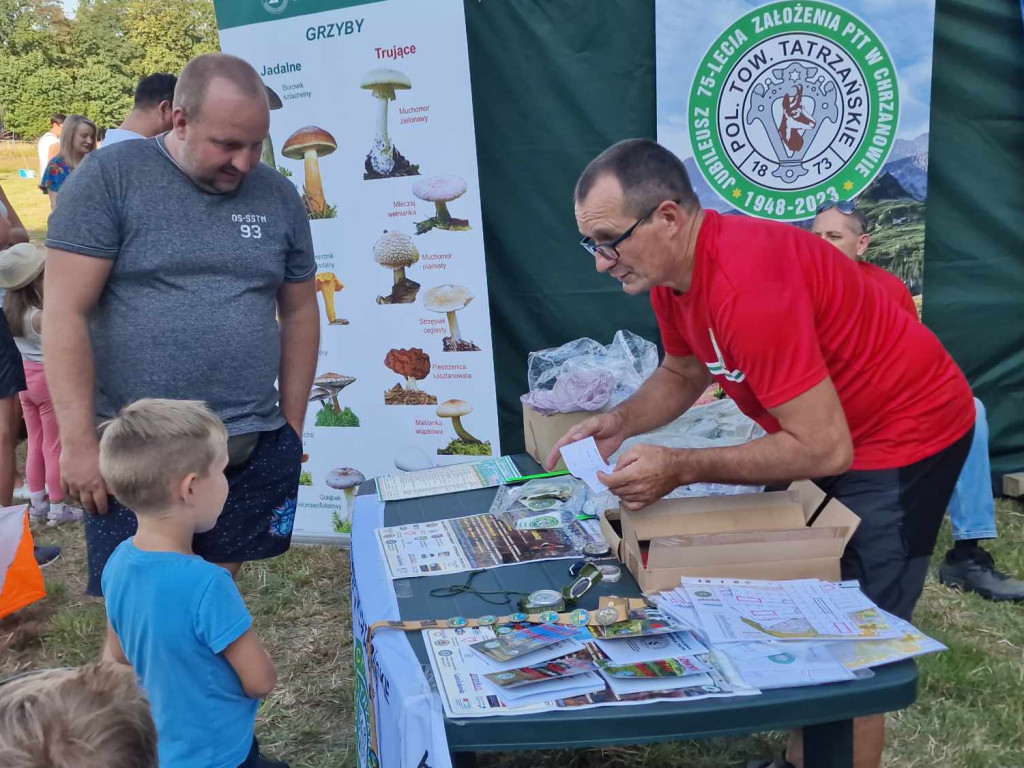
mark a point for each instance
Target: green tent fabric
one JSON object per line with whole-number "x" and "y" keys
{"x": 974, "y": 245}
{"x": 554, "y": 83}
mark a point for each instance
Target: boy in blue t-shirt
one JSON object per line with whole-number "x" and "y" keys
{"x": 176, "y": 618}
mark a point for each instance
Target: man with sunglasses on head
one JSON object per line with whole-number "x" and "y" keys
{"x": 853, "y": 392}
{"x": 972, "y": 510}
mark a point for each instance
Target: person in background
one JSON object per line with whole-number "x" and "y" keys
{"x": 49, "y": 142}
{"x": 12, "y": 382}
{"x": 972, "y": 509}
{"x": 21, "y": 276}
{"x": 76, "y": 141}
{"x": 94, "y": 716}
{"x": 178, "y": 620}
{"x": 151, "y": 114}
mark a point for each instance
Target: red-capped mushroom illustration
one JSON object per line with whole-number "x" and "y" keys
{"x": 448, "y": 299}
{"x": 384, "y": 160}
{"x": 395, "y": 251}
{"x": 414, "y": 365}
{"x": 309, "y": 144}
{"x": 328, "y": 284}
{"x": 440, "y": 190}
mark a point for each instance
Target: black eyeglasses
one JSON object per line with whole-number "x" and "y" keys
{"x": 845, "y": 207}
{"x": 610, "y": 250}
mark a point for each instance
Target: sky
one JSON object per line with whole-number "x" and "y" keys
{"x": 70, "y": 6}
{"x": 686, "y": 28}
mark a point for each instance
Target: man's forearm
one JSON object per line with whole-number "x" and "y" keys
{"x": 70, "y": 372}
{"x": 664, "y": 397}
{"x": 777, "y": 458}
{"x": 300, "y": 345}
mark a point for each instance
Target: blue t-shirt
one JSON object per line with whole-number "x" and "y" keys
{"x": 175, "y": 614}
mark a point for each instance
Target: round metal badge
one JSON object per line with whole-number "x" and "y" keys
{"x": 457, "y": 621}
{"x": 605, "y": 616}
{"x": 549, "y": 616}
{"x": 486, "y": 621}
{"x": 596, "y": 549}
{"x": 579, "y": 618}
{"x": 518, "y": 617}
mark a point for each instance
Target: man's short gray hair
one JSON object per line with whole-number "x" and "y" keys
{"x": 648, "y": 173}
{"x": 195, "y": 78}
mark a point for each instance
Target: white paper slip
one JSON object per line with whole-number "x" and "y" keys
{"x": 626, "y": 685}
{"x": 635, "y": 650}
{"x": 805, "y": 664}
{"x": 550, "y": 689}
{"x": 741, "y": 651}
{"x": 584, "y": 461}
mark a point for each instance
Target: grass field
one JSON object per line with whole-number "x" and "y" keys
{"x": 970, "y": 711}
{"x": 32, "y": 205}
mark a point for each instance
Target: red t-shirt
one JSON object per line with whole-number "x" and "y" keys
{"x": 773, "y": 309}
{"x": 893, "y": 286}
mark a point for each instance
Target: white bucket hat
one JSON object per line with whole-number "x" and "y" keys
{"x": 20, "y": 265}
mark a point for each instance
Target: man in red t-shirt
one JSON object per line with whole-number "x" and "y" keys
{"x": 967, "y": 565}
{"x": 852, "y": 391}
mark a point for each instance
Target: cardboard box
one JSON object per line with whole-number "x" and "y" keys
{"x": 1013, "y": 484}
{"x": 749, "y": 536}
{"x": 542, "y": 432}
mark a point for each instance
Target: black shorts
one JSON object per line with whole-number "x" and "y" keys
{"x": 900, "y": 511}
{"x": 12, "y": 372}
{"x": 256, "y": 522}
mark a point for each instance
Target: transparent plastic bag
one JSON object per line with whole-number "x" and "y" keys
{"x": 584, "y": 375}
{"x": 716, "y": 425}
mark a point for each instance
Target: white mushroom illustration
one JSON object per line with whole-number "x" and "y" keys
{"x": 440, "y": 190}
{"x": 383, "y": 159}
{"x": 448, "y": 299}
{"x": 395, "y": 251}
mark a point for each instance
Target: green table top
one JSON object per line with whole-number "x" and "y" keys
{"x": 892, "y": 687}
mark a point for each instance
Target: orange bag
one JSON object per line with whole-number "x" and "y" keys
{"x": 23, "y": 581}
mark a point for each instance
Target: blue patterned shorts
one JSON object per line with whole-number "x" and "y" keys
{"x": 256, "y": 522}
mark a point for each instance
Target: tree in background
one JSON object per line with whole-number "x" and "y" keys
{"x": 91, "y": 63}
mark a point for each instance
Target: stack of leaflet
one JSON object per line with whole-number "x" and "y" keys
{"x": 780, "y": 634}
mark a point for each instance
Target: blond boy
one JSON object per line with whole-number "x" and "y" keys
{"x": 176, "y": 618}
{"x": 92, "y": 717}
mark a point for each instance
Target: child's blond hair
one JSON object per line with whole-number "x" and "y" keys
{"x": 92, "y": 717}
{"x": 152, "y": 444}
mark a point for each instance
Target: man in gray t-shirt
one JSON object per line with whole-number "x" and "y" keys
{"x": 182, "y": 267}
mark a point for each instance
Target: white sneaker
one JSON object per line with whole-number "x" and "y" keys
{"x": 61, "y": 513}
{"x": 39, "y": 511}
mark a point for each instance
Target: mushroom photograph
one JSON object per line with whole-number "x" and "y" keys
{"x": 447, "y": 300}
{"x": 309, "y": 144}
{"x": 327, "y": 285}
{"x": 325, "y": 391}
{"x": 384, "y": 161}
{"x": 395, "y": 251}
{"x": 414, "y": 366}
{"x": 346, "y": 480}
{"x": 305, "y": 477}
{"x": 274, "y": 102}
{"x": 440, "y": 190}
{"x": 463, "y": 444}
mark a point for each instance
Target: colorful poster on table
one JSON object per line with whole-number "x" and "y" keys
{"x": 776, "y": 107}
{"x": 372, "y": 120}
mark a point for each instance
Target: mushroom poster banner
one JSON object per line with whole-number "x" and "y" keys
{"x": 778, "y": 108}
{"x": 372, "y": 120}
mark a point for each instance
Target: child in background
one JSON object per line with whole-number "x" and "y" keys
{"x": 177, "y": 619}
{"x": 92, "y": 717}
{"x": 21, "y": 274}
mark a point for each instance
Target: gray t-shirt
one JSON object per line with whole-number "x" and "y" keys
{"x": 189, "y": 310}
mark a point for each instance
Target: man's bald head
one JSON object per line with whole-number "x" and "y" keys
{"x": 194, "y": 81}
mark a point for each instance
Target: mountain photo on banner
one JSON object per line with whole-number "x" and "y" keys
{"x": 776, "y": 107}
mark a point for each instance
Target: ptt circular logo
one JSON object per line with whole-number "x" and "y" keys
{"x": 275, "y": 6}
{"x": 795, "y": 103}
